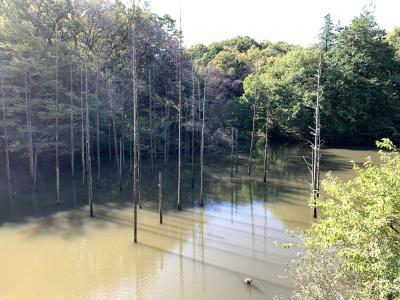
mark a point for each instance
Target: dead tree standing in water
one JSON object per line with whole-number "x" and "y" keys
{"x": 193, "y": 131}
{"x": 135, "y": 176}
{"x": 202, "y": 143}
{"x": 28, "y": 109}
{"x": 88, "y": 153}
{"x": 314, "y": 166}
{"x": 316, "y": 147}
{"x": 232, "y": 143}
{"x": 83, "y": 141}
{"x": 151, "y": 124}
{"x": 237, "y": 150}
{"x": 6, "y": 146}
{"x": 160, "y": 196}
{"x": 98, "y": 130}
{"x": 266, "y": 143}
{"x": 180, "y": 122}
{"x": 57, "y": 162}
{"x": 253, "y": 128}
{"x": 72, "y": 127}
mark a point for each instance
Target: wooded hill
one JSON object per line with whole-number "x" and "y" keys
{"x": 56, "y": 56}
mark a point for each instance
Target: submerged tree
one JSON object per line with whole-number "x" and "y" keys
{"x": 314, "y": 167}
{"x": 5, "y": 132}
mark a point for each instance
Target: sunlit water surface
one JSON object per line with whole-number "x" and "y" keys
{"x": 50, "y": 252}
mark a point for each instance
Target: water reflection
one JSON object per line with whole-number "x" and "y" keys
{"x": 51, "y": 252}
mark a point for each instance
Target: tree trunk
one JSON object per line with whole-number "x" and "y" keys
{"x": 237, "y": 150}
{"x": 35, "y": 170}
{"x": 151, "y": 125}
{"x": 232, "y": 147}
{"x": 116, "y": 152}
{"x": 160, "y": 196}
{"x": 83, "y": 142}
{"x": 88, "y": 152}
{"x": 57, "y": 162}
{"x": 98, "y": 132}
{"x": 202, "y": 144}
{"x": 139, "y": 167}
{"x": 166, "y": 124}
{"x": 266, "y": 145}
{"x": 6, "y": 146}
{"x": 180, "y": 123}
{"x": 72, "y": 126}
{"x": 120, "y": 165}
{"x": 252, "y": 140}
{"x": 316, "y": 147}
{"x": 28, "y": 109}
{"x": 109, "y": 139}
{"x": 135, "y": 130}
{"x": 193, "y": 131}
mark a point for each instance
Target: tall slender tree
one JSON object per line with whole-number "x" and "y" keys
{"x": 88, "y": 151}
{"x": 316, "y": 145}
{"x": 28, "y": 110}
{"x": 266, "y": 144}
{"x": 6, "y": 145}
{"x": 193, "y": 120}
{"x": 98, "y": 153}
{"x": 151, "y": 122}
{"x": 135, "y": 125}
{"x": 180, "y": 122}
{"x": 253, "y": 127}
{"x": 72, "y": 125}
{"x": 83, "y": 163}
{"x": 57, "y": 161}
{"x": 202, "y": 142}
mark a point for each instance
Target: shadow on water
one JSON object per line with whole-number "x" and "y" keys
{"x": 286, "y": 169}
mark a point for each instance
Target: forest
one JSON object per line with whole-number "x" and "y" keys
{"x": 88, "y": 82}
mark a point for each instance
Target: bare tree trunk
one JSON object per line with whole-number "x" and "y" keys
{"x": 180, "y": 123}
{"x": 193, "y": 131}
{"x": 232, "y": 146}
{"x": 135, "y": 130}
{"x": 116, "y": 152}
{"x": 35, "y": 170}
{"x": 72, "y": 126}
{"x": 88, "y": 153}
{"x": 109, "y": 140}
{"x": 98, "y": 131}
{"x": 83, "y": 141}
{"x": 6, "y": 147}
{"x": 202, "y": 143}
{"x": 29, "y": 129}
{"x": 160, "y": 196}
{"x": 316, "y": 147}
{"x": 151, "y": 125}
{"x": 252, "y": 139}
{"x": 166, "y": 124}
{"x": 139, "y": 166}
{"x": 57, "y": 162}
{"x": 266, "y": 145}
{"x": 237, "y": 150}
{"x": 120, "y": 165}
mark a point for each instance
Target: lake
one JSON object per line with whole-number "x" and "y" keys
{"x": 50, "y": 252}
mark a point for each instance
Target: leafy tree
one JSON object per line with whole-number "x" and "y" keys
{"x": 360, "y": 103}
{"x": 353, "y": 251}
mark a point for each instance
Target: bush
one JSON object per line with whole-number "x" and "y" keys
{"x": 353, "y": 251}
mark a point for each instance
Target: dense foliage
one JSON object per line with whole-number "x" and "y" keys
{"x": 353, "y": 252}
{"x": 360, "y": 79}
{"x": 92, "y": 40}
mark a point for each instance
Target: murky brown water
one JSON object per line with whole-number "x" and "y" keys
{"x": 60, "y": 253}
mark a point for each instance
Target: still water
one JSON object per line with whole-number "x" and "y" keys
{"x": 50, "y": 252}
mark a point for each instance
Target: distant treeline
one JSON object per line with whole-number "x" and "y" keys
{"x": 56, "y": 55}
